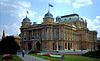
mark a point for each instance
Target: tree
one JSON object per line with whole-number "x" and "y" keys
{"x": 8, "y": 45}
{"x": 99, "y": 46}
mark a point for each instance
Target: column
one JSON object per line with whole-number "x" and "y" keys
{"x": 59, "y": 34}
{"x": 47, "y": 34}
{"x": 54, "y": 34}
{"x": 67, "y": 45}
{"x": 64, "y": 32}
{"x": 24, "y": 38}
{"x": 32, "y": 35}
{"x": 51, "y": 34}
{"x": 43, "y": 34}
{"x": 36, "y": 33}
{"x": 45, "y": 30}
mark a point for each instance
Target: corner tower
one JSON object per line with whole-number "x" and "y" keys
{"x": 26, "y": 22}
{"x": 24, "y": 29}
{"x": 48, "y": 18}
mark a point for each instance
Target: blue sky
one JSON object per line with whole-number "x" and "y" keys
{"x": 13, "y": 11}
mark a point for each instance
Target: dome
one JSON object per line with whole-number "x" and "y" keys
{"x": 81, "y": 19}
{"x": 48, "y": 15}
{"x": 58, "y": 19}
{"x": 26, "y": 19}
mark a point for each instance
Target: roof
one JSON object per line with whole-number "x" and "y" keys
{"x": 48, "y": 14}
{"x": 69, "y": 15}
{"x": 71, "y": 18}
{"x": 26, "y": 19}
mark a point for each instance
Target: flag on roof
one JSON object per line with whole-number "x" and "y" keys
{"x": 27, "y": 12}
{"x": 50, "y": 5}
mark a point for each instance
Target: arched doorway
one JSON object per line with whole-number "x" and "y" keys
{"x": 29, "y": 46}
{"x": 38, "y": 45}
{"x": 54, "y": 46}
{"x": 68, "y": 46}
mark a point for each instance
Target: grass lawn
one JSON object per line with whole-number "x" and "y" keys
{"x": 68, "y": 58}
{"x": 15, "y": 58}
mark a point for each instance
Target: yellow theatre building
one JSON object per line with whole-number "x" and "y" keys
{"x": 68, "y": 32}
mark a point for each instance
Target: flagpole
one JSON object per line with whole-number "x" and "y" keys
{"x": 48, "y": 7}
{"x": 27, "y": 13}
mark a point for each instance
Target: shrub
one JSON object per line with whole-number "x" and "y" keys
{"x": 7, "y": 56}
{"x": 94, "y": 54}
{"x": 46, "y": 55}
{"x": 33, "y": 52}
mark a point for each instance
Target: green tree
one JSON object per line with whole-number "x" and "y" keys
{"x": 8, "y": 45}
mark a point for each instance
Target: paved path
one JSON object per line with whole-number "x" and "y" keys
{"x": 31, "y": 58}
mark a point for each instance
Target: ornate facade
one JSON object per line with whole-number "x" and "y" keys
{"x": 68, "y": 32}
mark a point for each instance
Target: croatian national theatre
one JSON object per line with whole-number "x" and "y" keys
{"x": 68, "y": 32}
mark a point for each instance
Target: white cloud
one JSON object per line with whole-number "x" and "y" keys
{"x": 1, "y": 33}
{"x": 24, "y": 4}
{"x": 93, "y": 24}
{"x": 40, "y": 19}
{"x": 16, "y": 9}
{"x": 11, "y": 28}
{"x": 81, "y": 3}
{"x": 62, "y": 1}
{"x": 23, "y": 14}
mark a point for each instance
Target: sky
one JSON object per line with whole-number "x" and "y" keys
{"x": 12, "y": 12}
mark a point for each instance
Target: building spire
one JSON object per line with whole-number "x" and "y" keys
{"x": 3, "y": 35}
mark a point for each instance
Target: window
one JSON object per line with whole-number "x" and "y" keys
{"x": 32, "y": 37}
{"x": 65, "y": 45}
{"x": 53, "y": 46}
{"x": 24, "y": 38}
{"x": 65, "y": 19}
{"x": 70, "y": 18}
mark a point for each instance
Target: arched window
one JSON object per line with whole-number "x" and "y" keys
{"x": 53, "y": 46}
{"x": 68, "y": 46}
{"x": 65, "y": 45}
